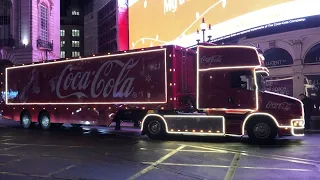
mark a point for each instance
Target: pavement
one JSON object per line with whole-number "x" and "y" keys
{"x": 99, "y": 153}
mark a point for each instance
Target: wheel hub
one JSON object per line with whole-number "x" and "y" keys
{"x": 154, "y": 127}
{"x": 45, "y": 121}
{"x": 261, "y": 130}
{"x": 25, "y": 120}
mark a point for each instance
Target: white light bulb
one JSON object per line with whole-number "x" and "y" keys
{"x": 197, "y": 15}
{"x": 25, "y": 41}
{"x": 145, "y": 4}
{"x": 224, "y": 3}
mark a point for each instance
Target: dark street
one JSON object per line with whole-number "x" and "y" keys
{"x": 102, "y": 153}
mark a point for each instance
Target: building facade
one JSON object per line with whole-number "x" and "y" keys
{"x": 72, "y": 32}
{"x": 29, "y": 30}
{"x": 105, "y": 26}
{"x": 293, "y": 59}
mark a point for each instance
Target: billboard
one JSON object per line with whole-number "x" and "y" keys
{"x": 282, "y": 85}
{"x": 158, "y": 22}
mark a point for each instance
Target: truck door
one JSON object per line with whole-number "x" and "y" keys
{"x": 241, "y": 90}
{"x": 227, "y": 89}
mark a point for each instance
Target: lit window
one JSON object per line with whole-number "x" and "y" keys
{"x": 75, "y": 32}
{"x": 44, "y": 22}
{"x": 62, "y": 43}
{"x": 62, "y": 32}
{"x": 63, "y": 54}
{"x": 75, "y": 13}
{"x": 75, "y": 43}
{"x": 75, "y": 54}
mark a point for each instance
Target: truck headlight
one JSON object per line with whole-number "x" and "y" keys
{"x": 298, "y": 123}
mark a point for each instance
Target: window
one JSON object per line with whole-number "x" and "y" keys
{"x": 75, "y": 13}
{"x": 75, "y": 43}
{"x": 62, "y": 43}
{"x": 44, "y": 23}
{"x": 75, "y": 32}
{"x": 63, "y": 54}
{"x": 75, "y": 54}
{"x": 242, "y": 80}
{"x": 62, "y": 32}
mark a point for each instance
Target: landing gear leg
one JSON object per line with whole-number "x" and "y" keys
{"x": 118, "y": 127}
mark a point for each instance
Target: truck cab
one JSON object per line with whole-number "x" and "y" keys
{"x": 231, "y": 83}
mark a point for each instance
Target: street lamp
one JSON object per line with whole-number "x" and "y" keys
{"x": 203, "y": 27}
{"x": 198, "y": 36}
{"x": 209, "y": 33}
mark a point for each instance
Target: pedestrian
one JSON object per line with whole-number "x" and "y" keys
{"x": 308, "y": 108}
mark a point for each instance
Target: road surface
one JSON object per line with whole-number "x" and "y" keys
{"x": 102, "y": 153}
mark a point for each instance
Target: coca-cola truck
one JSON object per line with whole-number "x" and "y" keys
{"x": 211, "y": 91}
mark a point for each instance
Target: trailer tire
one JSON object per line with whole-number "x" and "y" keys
{"x": 262, "y": 131}
{"x": 44, "y": 120}
{"x": 155, "y": 129}
{"x": 26, "y": 120}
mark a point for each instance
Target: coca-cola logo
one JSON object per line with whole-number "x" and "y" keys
{"x": 102, "y": 83}
{"x": 211, "y": 59}
{"x": 284, "y": 106}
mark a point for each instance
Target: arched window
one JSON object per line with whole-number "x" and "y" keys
{"x": 277, "y": 57}
{"x": 44, "y": 16}
{"x": 313, "y": 55}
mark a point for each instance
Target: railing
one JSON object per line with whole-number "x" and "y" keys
{"x": 7, "y": 42}
{"x": 45, "y": 45}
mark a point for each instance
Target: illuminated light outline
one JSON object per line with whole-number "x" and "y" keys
{"x": 232, "y": 67}
{"x": 261, "y": 71}
{"x": 200, "y": 116}
{"x": 276, "y": 122}
{"x": 186, "y": 116}
{"x": 93, "y": 58}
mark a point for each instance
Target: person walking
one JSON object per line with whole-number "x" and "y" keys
{"x": 308, "y": 108}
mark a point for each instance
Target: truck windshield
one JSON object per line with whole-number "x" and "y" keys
{"x": 261, "y": 82}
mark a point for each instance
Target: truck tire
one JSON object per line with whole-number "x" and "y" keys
{"x": 44, "y": 120}
{"x": 26, "y": 120}
{"x": 155, "y": 129}
{"x": 262, "y": 131}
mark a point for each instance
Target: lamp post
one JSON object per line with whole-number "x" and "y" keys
{"x": 198, "y": 36}
{"x": 203, "y": 27}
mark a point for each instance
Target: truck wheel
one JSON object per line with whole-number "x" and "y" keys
{"x": 155, "y": 129}
{"x": 44, "y": 121}
{"x": 262, "y": 131}
{"x": 26, "y": 120}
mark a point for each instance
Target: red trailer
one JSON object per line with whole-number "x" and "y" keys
{"x": 213, "y": 91}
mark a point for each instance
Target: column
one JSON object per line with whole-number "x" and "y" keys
{"x": 297, "y": 68}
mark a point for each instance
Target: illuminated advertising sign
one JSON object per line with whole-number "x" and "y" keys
{"x": 312, "y": 90}
{"x": 280, "y": 85}
{"x": 158, "y": 22}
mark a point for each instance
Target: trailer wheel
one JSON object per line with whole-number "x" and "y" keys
{"x": 26, "y": 120}
{"x": 155, "y": 129}
{"x": 44, "y": 120}
{"x": 262, "y": 131}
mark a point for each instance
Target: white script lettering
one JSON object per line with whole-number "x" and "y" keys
{"x": 211, "y": 59}
{"x": 284, "y": 106}
{"x": 172, "y": 5}
{"x": 101, "y": 84}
